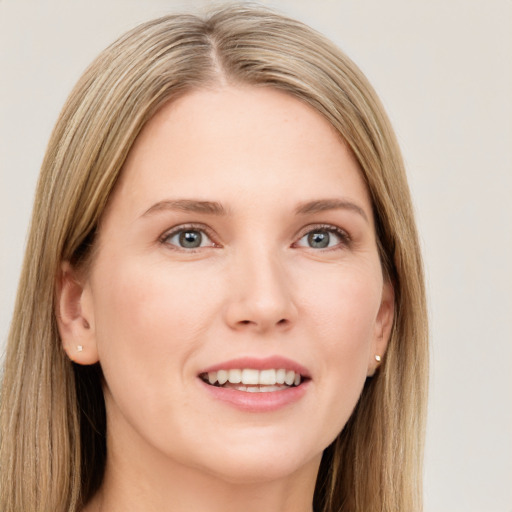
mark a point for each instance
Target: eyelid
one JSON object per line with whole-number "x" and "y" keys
{"x": 169, "y": 233}
{"x": 342, "y": 233}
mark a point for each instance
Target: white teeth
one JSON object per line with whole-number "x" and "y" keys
{"x": 260, "y": 389}
{"x": 267, "y": 377}
{"x": 222, "y": 376}
{"x": 250, "y": 376}
{"x": 267, "y": 389}
{"x": 289, "y": 378}
{"x": 235, "y": 376}
{"x": 264, "y": 380}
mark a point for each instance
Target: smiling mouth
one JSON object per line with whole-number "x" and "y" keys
{"x": 254, "y": 381}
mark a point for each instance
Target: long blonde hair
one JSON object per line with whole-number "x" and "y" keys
{"x": 52, "y": 451}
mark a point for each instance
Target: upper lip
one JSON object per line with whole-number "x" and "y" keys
{"x": 256, "y": 363}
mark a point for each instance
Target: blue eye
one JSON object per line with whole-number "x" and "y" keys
{"x": 323, "y": 238}
{"x": 188, "y": 238}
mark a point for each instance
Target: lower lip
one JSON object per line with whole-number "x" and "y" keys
{"x": 257, "y": 402}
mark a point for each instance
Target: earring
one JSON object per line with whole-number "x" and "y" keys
{"x": 378, "y": 358}
{"x": 79, "y": 348}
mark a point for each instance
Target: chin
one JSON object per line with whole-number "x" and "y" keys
{"x": 258, "y": 462}
{"x": 258, "y": 472}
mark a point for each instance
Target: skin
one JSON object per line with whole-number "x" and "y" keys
{"x": 155, "y": 314}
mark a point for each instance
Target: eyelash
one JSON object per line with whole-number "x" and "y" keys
{"x": 345, "y": 239}
{"x": 164, "y": 239}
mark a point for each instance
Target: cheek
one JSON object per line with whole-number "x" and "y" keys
{"x": 148, "y": 319}
{"x": 149, "y": 322}
{"x": 343, "y": 307}
{"x": 343, "y": 320}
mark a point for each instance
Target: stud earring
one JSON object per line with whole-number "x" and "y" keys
{"x": 378, "y": 358}
{"x": 79, "y": 348}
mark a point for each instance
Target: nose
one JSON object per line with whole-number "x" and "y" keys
{"x": 260, "y": 297}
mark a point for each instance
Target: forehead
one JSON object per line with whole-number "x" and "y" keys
{"x": 238, "y": 142}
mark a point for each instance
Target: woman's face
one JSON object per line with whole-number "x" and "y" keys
{"x": 238, "y": 244}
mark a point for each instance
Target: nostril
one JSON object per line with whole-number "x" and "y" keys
{"x": 283, "y": 321}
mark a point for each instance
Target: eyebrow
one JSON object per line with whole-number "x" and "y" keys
{"x": 187, "y": 205}
{"x": 215, "y": 208}
{"x": 323, "y": 205}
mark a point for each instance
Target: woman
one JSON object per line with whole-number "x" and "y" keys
{"x": 222, "y": 302}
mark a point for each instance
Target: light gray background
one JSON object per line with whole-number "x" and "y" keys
{"x": 443, "y": 70}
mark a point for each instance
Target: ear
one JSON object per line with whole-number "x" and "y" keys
{"x": 383, "y": 325}
{"x": 75, "y": 317}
